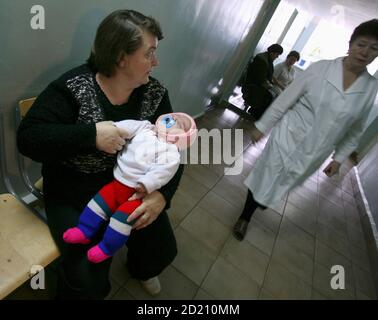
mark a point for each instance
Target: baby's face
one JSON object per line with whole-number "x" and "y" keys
{"x": 177, "y": 128}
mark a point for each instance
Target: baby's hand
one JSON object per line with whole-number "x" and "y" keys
{"x": 140, "y": 188}
{"x": 140, "y": 192}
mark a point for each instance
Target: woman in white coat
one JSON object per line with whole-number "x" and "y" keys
{"x": 322, "y": 111}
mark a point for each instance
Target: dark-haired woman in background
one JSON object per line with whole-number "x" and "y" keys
{"x": 258, "y": 80}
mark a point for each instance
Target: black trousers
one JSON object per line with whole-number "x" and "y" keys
{"x": 258, "y": 98}
{"x": 250, "y": 207}
{"x": 150, "y": 251}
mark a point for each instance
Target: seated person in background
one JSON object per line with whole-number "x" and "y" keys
{"x": 284, "y": 73}
{"x": 148, "y": 162}
{"x": 258, "y": 80}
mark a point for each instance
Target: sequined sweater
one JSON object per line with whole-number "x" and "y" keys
{"x": 59, "y": 131}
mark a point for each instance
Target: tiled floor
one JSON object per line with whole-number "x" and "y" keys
{"x": 288, "y": 251}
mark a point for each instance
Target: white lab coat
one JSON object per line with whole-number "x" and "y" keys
{"x": 316, "y": 117}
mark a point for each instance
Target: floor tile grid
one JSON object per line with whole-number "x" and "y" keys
{"x": 320, "y": 180}
{"x": 210, "y": 124}
{"x": 257, "y": 152}
{"x": 221, "y": 249}
{"x": 290, "y": 271}
{"x": 214, "y": 123}
{"x": 209, "y": 190}
{"x": 337, "y": 183}
{"x": 262, "y": 289}
{"x": 348, "y": 204}
{"x": 313, "y": 291}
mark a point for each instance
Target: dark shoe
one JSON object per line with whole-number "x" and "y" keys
{"x": 240, "y": 229}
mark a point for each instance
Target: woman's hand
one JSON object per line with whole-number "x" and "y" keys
{"x": 152, "y": 205}
{"x": 256, "y": 135}
{"x": 332, "y": 168}
{"x": 109, "y": 138}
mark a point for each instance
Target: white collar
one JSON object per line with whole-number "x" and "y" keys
{"x": 335, "y": 77}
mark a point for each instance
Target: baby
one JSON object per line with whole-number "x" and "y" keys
{"x": 147, "y": 162}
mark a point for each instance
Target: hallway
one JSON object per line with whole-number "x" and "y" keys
{"x": 288, "y": 251}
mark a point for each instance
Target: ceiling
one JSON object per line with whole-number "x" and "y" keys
{"x": 348, "y": 13}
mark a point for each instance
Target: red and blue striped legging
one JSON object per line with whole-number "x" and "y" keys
{"x": 111, "y": 202}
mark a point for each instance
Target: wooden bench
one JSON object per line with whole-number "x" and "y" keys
{"x": 25, "y": 240}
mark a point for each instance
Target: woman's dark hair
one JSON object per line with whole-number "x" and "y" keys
{"x": 120, "y": 33}
{"x": 294, "y": 54}
{"x": 367, "y": 28}
{"x": 275, "y": 48}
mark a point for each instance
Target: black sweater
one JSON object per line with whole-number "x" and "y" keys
{"x": 260, "y": 70}
{"x": 59, "y": 131}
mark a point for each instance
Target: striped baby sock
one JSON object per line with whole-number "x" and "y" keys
{"x": 115, "y": 237}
